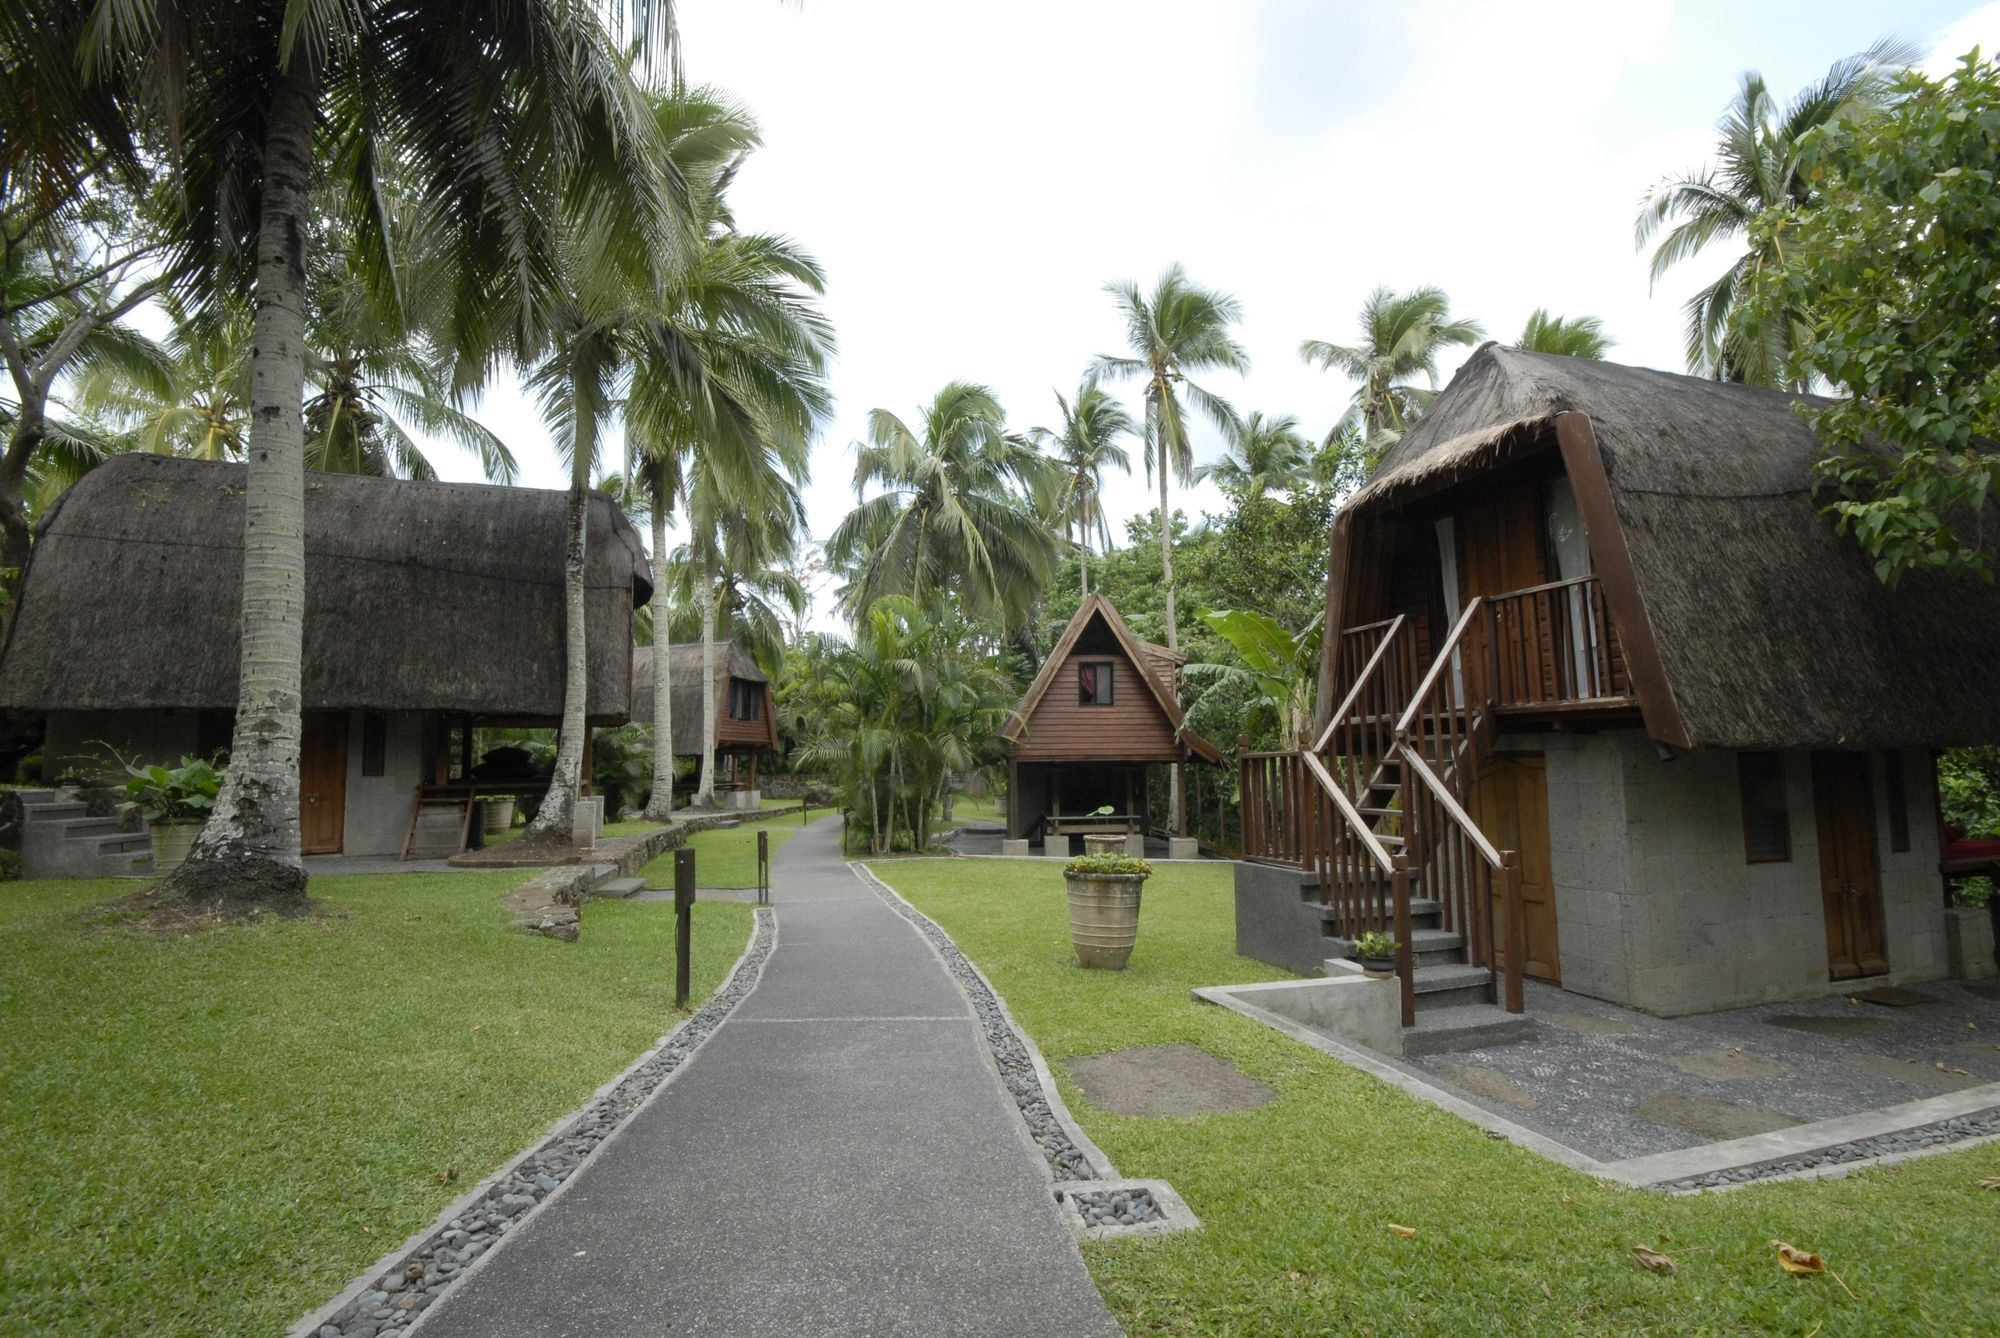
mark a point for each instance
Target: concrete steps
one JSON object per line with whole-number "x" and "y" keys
{"x": 1451, "y": 985}
{"x": 618, "y": 888}
{"x": 60, "y": 838}
{"x": 1457, "y": 1027}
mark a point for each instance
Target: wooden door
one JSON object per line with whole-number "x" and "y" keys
{"x": 1850, "y": 887}
{"x": 323, "y": 784}
{"x": 1511, "y": 805}
{"x": 1500, "y": 543}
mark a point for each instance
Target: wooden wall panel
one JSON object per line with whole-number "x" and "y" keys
{"x": 1133, "y": 726}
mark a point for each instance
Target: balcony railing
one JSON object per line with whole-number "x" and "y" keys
{"x": 1553, "y": 645}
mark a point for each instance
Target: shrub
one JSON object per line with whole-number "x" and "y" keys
{"x": 184, "y": 793}
{"x": 1374, "y": 943}
{"x": 1103, "y": 864}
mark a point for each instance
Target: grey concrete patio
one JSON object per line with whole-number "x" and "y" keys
{"x": 1617, "y": 1084}
{"x": 838, "y": 1158}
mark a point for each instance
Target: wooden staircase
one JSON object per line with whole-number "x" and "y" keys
{"x": 440, "y": 826}
{"x": 1377, "y": 810}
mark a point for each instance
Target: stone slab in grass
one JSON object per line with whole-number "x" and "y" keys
{"x": 1166, "y": 1080}
{"x": 1730, "y": 1066}
{"x": 1824, "y": 1026}
{"x": 1490, "y": 1083}
{"x": 1711, "y": 1118}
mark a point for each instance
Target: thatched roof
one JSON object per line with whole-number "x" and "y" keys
{"x": 684, "y": 673}
{"x": 1771, "y": 629}
{"x": 419, "y": 596}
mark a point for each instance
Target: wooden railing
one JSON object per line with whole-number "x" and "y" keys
{"x": 1555, "y": 644}
{"x": 1276, "y": 802}
{"x": 1442, "y": 738}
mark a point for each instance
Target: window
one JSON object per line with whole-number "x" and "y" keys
{"x": 1767, "y": 822}
{"x": 746, "y": 702}
{"x": 1093, "y": 683}
{"x": 374, "y": 743}
{"x": 1899, "y": 802}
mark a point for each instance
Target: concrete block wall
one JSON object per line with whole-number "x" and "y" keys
{"x": 1656, "y": 907}
{"x": 378, "y": 807}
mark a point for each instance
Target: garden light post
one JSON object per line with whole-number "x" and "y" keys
{"x": 683, "y": 922}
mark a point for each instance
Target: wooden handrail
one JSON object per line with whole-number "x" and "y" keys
{"x": 1369, "y": 627}
{"x": 1545, "y": 586}
{"x": 1428, "y": 683}
{"x": 1413, "y": 762}
{"x": 1374, "y": 662}
{"x": 1359, "y": 826}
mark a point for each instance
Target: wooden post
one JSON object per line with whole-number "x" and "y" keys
{"x": 465, "y": 748}
{"x": 1515, "y": 928}
{"x": 763, "y": 867}
{"x": 1243, "y": 793}
{"x": 1013, "y": 798}
{"x": 683, "y": 922}
{"x": 1406, "y": 962}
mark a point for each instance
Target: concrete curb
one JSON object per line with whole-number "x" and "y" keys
{"x": 1100, "y": 1165}
{"x": 1176, "y": 1215}
{"x": 1661, "y": 1169}
{"x": 398, "y": 1257}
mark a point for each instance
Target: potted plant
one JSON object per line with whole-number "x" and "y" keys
{"x": 1377, "y": 952}
{"x": 175, "y": 801}
{"x": 499, "y": 813}
{"x": 1104, "y": 907}
{"x": 71, "y": 780}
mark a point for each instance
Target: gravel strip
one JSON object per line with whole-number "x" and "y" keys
{"x": 1120, "y": 1207}
{"x": 1017, "y": 1071}
{"x": 421, "y": 1276}
{"x": 1907, "y": 1140}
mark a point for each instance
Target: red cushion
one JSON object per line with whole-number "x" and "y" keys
{"x": 1973, "y": 847}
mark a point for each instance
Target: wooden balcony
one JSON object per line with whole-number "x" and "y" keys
{"x": 1553, "y": 650}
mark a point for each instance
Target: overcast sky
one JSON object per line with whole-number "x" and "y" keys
{"x": 970, "y": 175}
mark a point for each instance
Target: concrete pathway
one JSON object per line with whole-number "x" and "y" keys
{"x": 840, "y": 1158}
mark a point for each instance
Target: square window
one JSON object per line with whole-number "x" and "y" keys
{"x": 1093, "y": 683}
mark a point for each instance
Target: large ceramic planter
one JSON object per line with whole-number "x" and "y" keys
{"x": 1099, "y": 844}
{"x": 499, "y": 815}
{"x": 171, "y": 843}
{"x": 1104, "y": 917}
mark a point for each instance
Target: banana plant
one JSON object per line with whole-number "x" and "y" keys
{"x": 1281, "y": 665}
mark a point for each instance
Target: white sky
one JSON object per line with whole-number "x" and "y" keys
{"x": 971, "y": 175}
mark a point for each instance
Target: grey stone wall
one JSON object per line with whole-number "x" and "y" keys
{"x": 1656, "y": 907}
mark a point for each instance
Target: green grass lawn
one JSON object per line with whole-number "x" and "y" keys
{"x": 212, "y": 1134}
{"x": 1297, "y": 1198}
{"x": 725, "y": 857}
{"x": 974, "y": 808}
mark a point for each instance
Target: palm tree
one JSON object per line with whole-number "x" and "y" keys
{"x": 1175, "y": 333}
{"x": 1578, "y": 337}
{"x": 1757, "y": 167}
{"x": 1401, "y": 338}
{"x": 1086, "y": 446}
{"x": 507, "y": 116}
{"x": 952, "y": 514}
{"x": 1264, "y": 455}
{"x": 194, "y": 402}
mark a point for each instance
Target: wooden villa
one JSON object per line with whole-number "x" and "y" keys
{"x": 746, "y": 723}
{"x": 1610, "y": 704}
{"x": 1100, "y": 719}
{"x": 431, "y": 609}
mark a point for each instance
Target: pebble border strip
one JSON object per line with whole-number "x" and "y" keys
{"x": 1017, "y": 1071}
{"x": 1939, "y": 1135}
{"x": 421, "y": 1275}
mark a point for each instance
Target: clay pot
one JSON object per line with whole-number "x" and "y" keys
{"x": 1104, "y": 917}
{"x": 171, "y": 843}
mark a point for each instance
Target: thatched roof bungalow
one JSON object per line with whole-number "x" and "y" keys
{"x": 1608, "y": 611}
{"x": 745, "y": 715}
{"x": 428, "y": 607}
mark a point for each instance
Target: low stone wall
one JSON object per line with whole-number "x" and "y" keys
{"x": 787, "y": 785}
{"x": 1279, "y": 919}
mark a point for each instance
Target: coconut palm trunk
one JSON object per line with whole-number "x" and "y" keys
{"x": 705, "y": 797}
{"x": 1083, "y": 555}
{"x": 660, "y": 804}
{"x": 1176, "y": 774}
{"x": 554, "y": 819}
{"x": 249, "y": 851}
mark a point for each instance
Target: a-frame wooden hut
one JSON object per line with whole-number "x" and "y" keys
{"x": 1099, "y": 716}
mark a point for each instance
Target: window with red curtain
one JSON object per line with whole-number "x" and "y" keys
{"x": 1093, "y": 683}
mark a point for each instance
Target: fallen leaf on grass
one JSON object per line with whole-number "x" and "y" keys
{"x": 1407, "y": 1233}
{"x": 1652, "y": 1260}
{"x": 1546, "y": 1291}
{"x": 1990, "y": 1182}
{"x": 447, "y": 1175}
{"x": 1794, "y": 1260}
{"x": 1568, "y": 1198}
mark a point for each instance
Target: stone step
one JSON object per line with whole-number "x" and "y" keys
{"x": 81, "y": 827}
{"x": 55, "y": 810}
{"x": 119, "y": 842}
{"x": 1441, "y": 1031}
{"x": 1430, "y": 947}
{"x": 618, "y": 887}
{"x": 1451, "y": 985}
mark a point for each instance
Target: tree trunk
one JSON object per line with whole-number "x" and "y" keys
{"x": 660, "y": 806}
{"x": 1083, "y": 556}
{"x": 705, "y": 796}
{"x": 30, "y": 425}
{"x": 554, "y": 820}
{"x": 249, "y": 850}
{"x": 1176, "y": 779}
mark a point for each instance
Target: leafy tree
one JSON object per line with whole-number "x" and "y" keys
{"x": 1756, "y": 168}
{"x": 953, "y": 514}
{"x": 1282, "y": 665}
{"x": 1264, "y": 455}
{"x": 1895, "y": 271}
{"x": 1577, "y": 337}
{"x": 1086, "y": 445}
{"x": 1175, "y": 333}
{"x": 1402, "y": 335}
{"x": 505, "y": 116}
